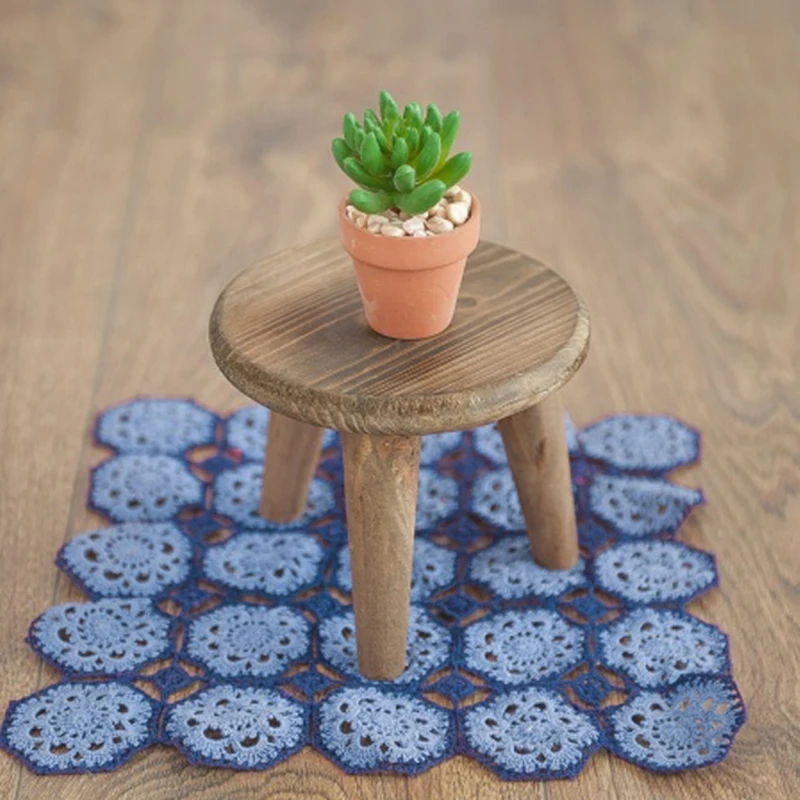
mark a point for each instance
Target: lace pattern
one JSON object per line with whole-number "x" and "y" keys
{"x": 193, "y": 594}
{"x": 104, "y": 637}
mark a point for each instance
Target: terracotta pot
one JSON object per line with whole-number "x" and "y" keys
{"x": 409, "y": 286}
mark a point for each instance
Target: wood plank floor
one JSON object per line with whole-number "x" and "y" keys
{"x": 649, "y": 150}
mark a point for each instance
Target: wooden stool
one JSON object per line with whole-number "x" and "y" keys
{"x": 290, "y": 333}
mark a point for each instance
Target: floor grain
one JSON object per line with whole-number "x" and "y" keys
{"x": 647, "y": 150}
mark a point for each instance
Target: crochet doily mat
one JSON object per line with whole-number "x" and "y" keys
{"x": 210, "y": 630}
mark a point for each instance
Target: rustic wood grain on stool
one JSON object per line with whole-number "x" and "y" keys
{"x": 535, "y": 442}
{"x": 381, "y": 475}
{"x": 290, "y": 333}
{"x": 290, "y": 461}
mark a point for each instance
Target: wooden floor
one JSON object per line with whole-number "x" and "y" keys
{"x": 649, "y": 150}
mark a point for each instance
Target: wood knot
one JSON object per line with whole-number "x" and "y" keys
{"x": 542, "y": 452}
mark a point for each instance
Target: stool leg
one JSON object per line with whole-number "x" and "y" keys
{"x": 290, "y": 462}
{"x": 380, "y": 482}
{"x": 536, "y": 446}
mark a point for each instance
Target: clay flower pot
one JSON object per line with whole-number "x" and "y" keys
{"x": 409, "y": 286}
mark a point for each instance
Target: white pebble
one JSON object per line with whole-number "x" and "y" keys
{"x": 392, "y": 230}
{"x": 439, "y": 225}
{"x": 403, "y": 216}
{"x": 464, "y": 197}
{"x": 376, "y": 219}
{"x": 355, "y": 215}
{"x": 421, "y": 234}
{"x": 452, "y": 191}
{"x": 413, "y": 224}
{"x": 457, "y": 213}
{"x": 438, "y": 210}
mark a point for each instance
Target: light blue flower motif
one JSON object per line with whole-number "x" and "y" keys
{"x": 156, "y": 426}
{"x": 364, "y": 728}
{"x": 532, "y": 733}
{"x": 437, "y": 445}
{"x": 231, "y": 726}
{"x": 133, "y": 488}
{"x": 516, "y": 647}
{"x": 434, "y": 567}
{"x": 657, "y": 648}
{"x": 428, "y": 644}
{"x": 237, "y": 494}
{"x": 273, "y": 563}
{"x": 641, "y": 506}
{"x": 489, "y": 443}
{"x": 241, "y": 640}
{"x": 508, "y": 569}
{"x": 649, "y": 443}
{"x": 133, "y": 559}
{"x": 495, "y": 499}
{"x": 246, "y": 431}
{"x": 437, "y": 498}
{"x": 79, "y": 727}
{"x": 109, "y": 636}
{"x": 654, "y": 571}
{"x": 691, "y": 725}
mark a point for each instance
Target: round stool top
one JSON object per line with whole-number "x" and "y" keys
{"x": 290, "y": 333}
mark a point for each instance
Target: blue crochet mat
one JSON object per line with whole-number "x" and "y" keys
{"x": 213, "y": 631}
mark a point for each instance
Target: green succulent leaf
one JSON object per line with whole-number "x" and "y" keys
{"x": 383, "y": 142}
{"x": 360, "y": 135}
{"x": 425, "y": 196}
{"x": 412, "y": 115}
{"x": 454, "y": 169}
{"x": 370, "y": 117}
{"x": 371, "y": 202}
{"x": 359, "y": 175}
{"x": 371, "y": 156}
{"x": 341, "y": 151}
{"x": 349, "y": 127}
{"x": 434, "y": 118}
{"x": 412, "y": 137}
{"x": 449, "y": 132}
{"x": 404, "y": 179}
{"x": 389, "y": 109}
{"x": 402, "y": 160}
{"x": 429, "y": 154}
{"x": 399, "y": 152}
{"x": 372, "y": 126}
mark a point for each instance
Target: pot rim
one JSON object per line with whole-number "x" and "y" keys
{"x": 410, "y": 253}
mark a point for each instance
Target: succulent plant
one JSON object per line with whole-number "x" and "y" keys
{"x": 400, "y": 159}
